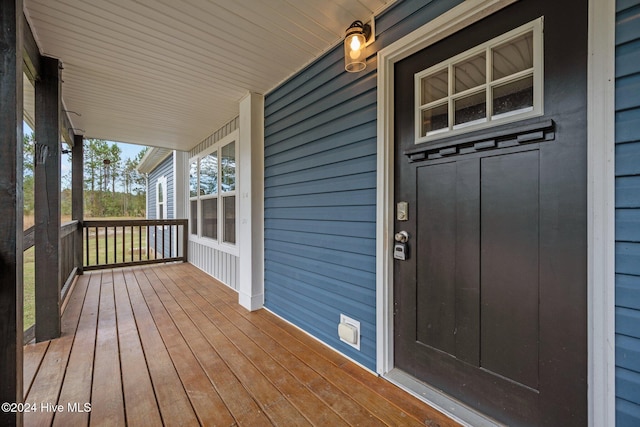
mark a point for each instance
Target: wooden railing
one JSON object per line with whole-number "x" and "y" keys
{"x": 68, "y": 266}
{"x": 119, "y": 243}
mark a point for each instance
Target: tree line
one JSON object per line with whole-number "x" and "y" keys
{"x": 113, "y": 187}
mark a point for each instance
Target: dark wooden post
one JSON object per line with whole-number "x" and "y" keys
{"x": 11, "y": 206}
{"x": 77, "y": 196}
{"x": 47, "y": 200}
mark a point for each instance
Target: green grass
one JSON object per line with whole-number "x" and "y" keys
{"x": 29, "y": 312}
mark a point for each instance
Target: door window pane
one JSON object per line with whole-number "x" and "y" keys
{"x": 514, "y": 96}
{"x": 498, "y": 81}
{"x": 228, "y": 167}
{"x": 435, "y": 86}
{"x": 209, "y": 174}
{"x": 229, "y": 219}
{"x": 514, "y": 56}
{"x": 434, "y": 119}
{"x": 470, "y": 73}
{"x": 470, "y": 108}
{"x": 210, "y": 218}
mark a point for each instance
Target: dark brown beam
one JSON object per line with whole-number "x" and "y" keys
{"x": 47, "y": 200}
{"x": 11, "y": 205}
{"x": 31, "y": 53}
{"x": 77, "y": 195}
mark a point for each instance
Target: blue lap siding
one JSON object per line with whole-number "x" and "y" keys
{"x": 320, "y": 189}
{"x": 627, "y": 213}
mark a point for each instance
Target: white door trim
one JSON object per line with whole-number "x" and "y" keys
{"x": 601, "y": 376}
{"x": 601, "y": 212}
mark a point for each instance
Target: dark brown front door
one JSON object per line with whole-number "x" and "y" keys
{"x": 490, "y": 306}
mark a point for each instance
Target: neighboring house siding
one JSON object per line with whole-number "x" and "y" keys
{"x": 628, "y": 213}
{"x": 219, "y": 264}
{"x": 320, "y": 189}
{"x": 163, "y": 169}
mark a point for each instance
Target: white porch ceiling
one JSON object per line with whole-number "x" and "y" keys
{"x": 168, "y": 73}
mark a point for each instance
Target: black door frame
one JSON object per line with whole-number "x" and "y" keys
{"x": 600, "y": 108}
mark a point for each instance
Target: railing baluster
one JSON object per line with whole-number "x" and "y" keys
{"x": 171, "y": 254}
{"x": 86, "y": 244}
{"x": 115, "y": 244}
{"x": 162, "y": 228}
{"x": 97, "y": 243}
{"x": 106, "y": 245}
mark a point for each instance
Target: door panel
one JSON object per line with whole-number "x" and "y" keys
{"x": 436, "y": 321}
{"x": 509, "y": 269}
{"x": 490, "y": 306}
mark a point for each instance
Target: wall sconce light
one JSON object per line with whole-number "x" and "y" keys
{"x": 354, "y": 42}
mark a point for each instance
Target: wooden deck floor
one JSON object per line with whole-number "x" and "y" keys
{"x": 169, "y": 345}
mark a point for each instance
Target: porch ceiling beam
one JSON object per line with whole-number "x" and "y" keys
{"x": 66, "y": 127}
{"x": 47, "y": 200}
{"x": 11, "y": 106}
{"x": 31, "y": 52}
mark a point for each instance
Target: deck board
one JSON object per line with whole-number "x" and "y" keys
{"x": 47, "y": 382}
{"x": 141, "y": 407}
{"x": 205, "y": 400}
{"x": 77, "y": 382}
{"x": 169, "y": 345}
{"x": 307, "y": 404}
{"x": 32, "y": 358}
{"x": 172, "y": 398}
{"x": 107, "y": 376}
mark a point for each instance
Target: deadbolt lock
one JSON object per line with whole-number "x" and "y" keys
{"x": 402, "y": 211}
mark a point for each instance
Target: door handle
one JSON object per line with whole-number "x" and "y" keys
{"x": 402, "y": 237}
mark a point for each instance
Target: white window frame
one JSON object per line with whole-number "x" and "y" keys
{"x": 219, "y": 243}
{"x": 535, "y": 26}
{"x": 161, "y": 181}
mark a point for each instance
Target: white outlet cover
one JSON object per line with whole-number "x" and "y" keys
{"x": 354, "y": 323}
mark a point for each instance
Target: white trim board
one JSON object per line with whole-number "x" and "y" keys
{"x": 601, "y": 357}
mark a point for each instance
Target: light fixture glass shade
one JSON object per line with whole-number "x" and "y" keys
{"x": 354, "y": 48}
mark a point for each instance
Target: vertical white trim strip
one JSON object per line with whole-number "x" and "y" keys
{"x": 601, "y": 212}
{"x": 146, "y": 214}
{"x": 251, "y": 202}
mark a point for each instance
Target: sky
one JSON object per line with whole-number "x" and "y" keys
{"x": 129, "y": 151}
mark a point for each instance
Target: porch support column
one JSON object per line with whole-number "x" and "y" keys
{"x": 11, "y": 205}
{"x": 77, "y": 196}
{"x": 47, "y": 200}
{"x": 251, "y": 204}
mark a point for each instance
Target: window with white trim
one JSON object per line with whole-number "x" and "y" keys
{"x": 161, "y": 198}
{"x": 212, "y": 194}
{"x": 496, "y": 82}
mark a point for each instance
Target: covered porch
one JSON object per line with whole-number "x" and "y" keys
{"x": 168, "y": 344}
